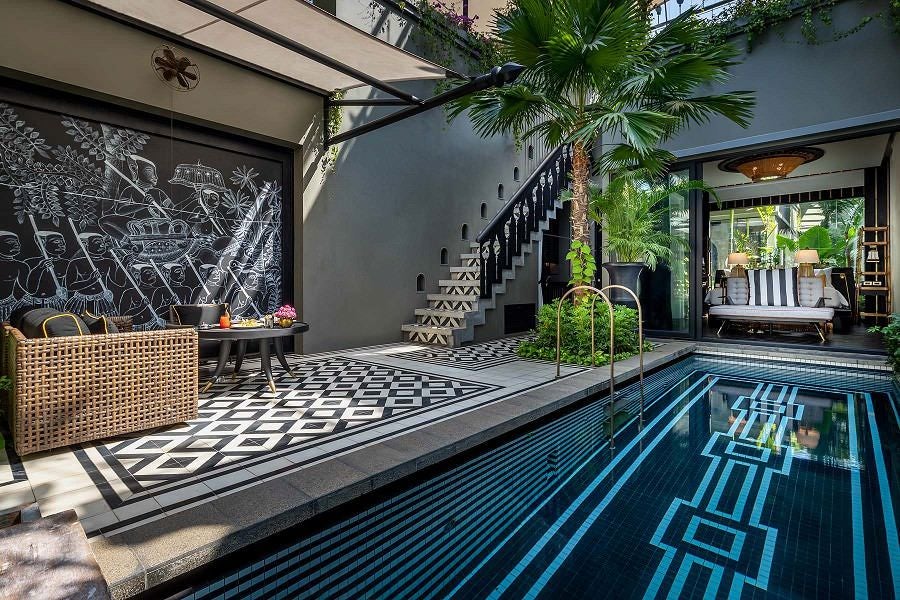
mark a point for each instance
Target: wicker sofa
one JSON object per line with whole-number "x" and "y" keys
{"x": 68, "y": 390}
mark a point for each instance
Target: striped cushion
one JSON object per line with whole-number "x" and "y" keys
{"x": 773, "y": 287}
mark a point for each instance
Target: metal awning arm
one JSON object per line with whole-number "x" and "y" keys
{"x": 497, "y": 77}
{"x": 265, "y": 33}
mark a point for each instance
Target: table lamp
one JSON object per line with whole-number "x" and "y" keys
{"x": 737, "y": 260}
{"x": 806, "y": 259}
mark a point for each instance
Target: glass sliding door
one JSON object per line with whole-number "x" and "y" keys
{"x": 665, "y": 293}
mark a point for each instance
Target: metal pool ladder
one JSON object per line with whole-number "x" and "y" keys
{"x": 601, "y": 293}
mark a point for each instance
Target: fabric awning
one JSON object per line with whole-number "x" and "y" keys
{"x": 296, "y": 20}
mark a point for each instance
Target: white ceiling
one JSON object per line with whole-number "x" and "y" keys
{"x": 841, "y": 166}
{"x": 294, "y": 19}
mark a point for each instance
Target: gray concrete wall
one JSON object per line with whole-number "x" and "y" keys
{"x": 804, "y": 90}
{"x": 395, "y": 198}
{"x": 521, "y": 290}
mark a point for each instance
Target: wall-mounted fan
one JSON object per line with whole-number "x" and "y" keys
{"x": 178, "y": 72}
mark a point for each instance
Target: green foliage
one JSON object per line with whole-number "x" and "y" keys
{"x": 598, "y": 67}
{"x": 631, "y": 210}
{"x": 5, "y": 383}
{"x": 575, "y": 328}
{"x": 584, "y": 267}
{"x": 754, "y": 18}
{"x": 891, "y": 339}
{"x": 335, "y": 119}
{"x": 831, "y": 248}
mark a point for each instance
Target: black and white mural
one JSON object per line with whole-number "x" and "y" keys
{"x": 111, "y": 220}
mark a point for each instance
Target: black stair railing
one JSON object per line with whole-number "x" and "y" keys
{"x": 511, "y": 228}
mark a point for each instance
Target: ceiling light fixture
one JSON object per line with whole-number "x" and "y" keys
{"x": 774, "y": 164}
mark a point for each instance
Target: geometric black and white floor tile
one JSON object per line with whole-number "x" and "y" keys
{"x": 333, "y": 403}
{"x": 242, "y": 421}
{"x": 472, "y": 358}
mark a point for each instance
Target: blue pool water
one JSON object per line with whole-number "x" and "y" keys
{"x": 744, "y": 482}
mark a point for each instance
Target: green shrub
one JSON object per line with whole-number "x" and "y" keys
{"x": 891, "y": 340}
{"x": 575, "y": 333}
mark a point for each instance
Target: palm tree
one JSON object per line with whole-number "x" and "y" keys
{"x": 596, "y": 68}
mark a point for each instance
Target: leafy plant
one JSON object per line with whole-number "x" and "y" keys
{"x": 891, "y": 339}
{"x": 831, "y": 249}
{"x": 754, "y": 18}
{"x": 584, "y": 266}
{"x": 631, "y": 210}
{"x": 335, "y": 119}
{"x": 597, "y": 68}
{"x": 575, "y": 336}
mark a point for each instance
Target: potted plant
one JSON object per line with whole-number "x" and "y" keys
{"x": 631, "y": 211}
{"x": 285, "y": 315}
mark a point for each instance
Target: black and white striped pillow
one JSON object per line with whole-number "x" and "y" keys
{"x": 773, "y": 287}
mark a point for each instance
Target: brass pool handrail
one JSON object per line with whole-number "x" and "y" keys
{"x": 612, "y": 351}
{"x": 640, "y": 340}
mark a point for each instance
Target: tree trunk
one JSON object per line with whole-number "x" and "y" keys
{"x": 581, "y": 173}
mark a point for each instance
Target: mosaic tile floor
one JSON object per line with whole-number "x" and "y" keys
{"x": 333, "y": 403}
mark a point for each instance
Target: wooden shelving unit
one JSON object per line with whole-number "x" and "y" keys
{"x": 877, "y": 238}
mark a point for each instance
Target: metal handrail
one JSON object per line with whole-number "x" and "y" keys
{"x": 612, "y": 349}
{"x": 640, "y": 340}
{"x": 502, "y": 216}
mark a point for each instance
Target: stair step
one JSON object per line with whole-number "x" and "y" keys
{"x": 430, "y": 329}
{"x": 468, "y": 256}
{"x": 452, "y": 297}
{"x": 455, "y": 283}
{"x": 465, "y": 269}
{"x": 441, "y": 313}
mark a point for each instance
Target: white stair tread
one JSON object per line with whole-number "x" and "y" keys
{"x": 442, "y": 313}
{"x": 458, "y": 283}
{"x": 465, "y": 269}
{"x": 453, "y": 297}
{"x": 430, "y": 329}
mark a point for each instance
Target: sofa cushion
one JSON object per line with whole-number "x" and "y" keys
{"x": 772, "y": 314}
{"x": 15, "y": 317}
{"x": 772, "y": 287}
{"x": 810, "y": 290}
{"x": 737, "y": 290}
{"x": 49, "y": 322}
{"x": 99, "y": 325}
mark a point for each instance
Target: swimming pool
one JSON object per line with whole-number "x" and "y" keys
{"x": 770, "y": 481}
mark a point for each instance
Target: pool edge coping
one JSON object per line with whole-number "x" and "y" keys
{"x": 146, "y": 556}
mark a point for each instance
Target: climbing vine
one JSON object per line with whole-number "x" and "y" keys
{"x": 756, "y": 17}
{"x": 333, "y": 122}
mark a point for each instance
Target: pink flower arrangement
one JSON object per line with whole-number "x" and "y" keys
{"x": 286, "y": 312}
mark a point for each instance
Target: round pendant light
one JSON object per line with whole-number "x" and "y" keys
{"x": 774, "y": 164}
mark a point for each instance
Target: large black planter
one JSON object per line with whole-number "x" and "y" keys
{"x": 625, "y": 274}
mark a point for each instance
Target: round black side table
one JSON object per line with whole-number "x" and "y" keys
{"x": 243, "y": 335}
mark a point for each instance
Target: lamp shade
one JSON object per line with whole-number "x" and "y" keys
{"x": 738, "y": 258}
{"x": 807, "y": 256}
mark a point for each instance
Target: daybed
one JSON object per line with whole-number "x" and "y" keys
{"x": 800, "y": 303}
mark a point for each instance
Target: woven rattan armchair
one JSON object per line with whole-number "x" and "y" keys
{"x": 68, "y": 390}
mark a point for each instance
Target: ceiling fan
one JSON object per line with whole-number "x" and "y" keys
{"x": 178, "y": 72}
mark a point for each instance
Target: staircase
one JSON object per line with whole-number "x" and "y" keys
{"x": 500, "y": 249}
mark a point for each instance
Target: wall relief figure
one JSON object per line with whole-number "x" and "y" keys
{"x": 102, "y": 219}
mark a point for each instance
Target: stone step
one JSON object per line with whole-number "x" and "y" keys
{"x": 441, "y": 313}
{"x": 468, "y": 256}
{"x": 415, "y": 327}
{"x": 457, "y": 283}
{"x": 452, "y": 297}
{"x": 465, "y": 270}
